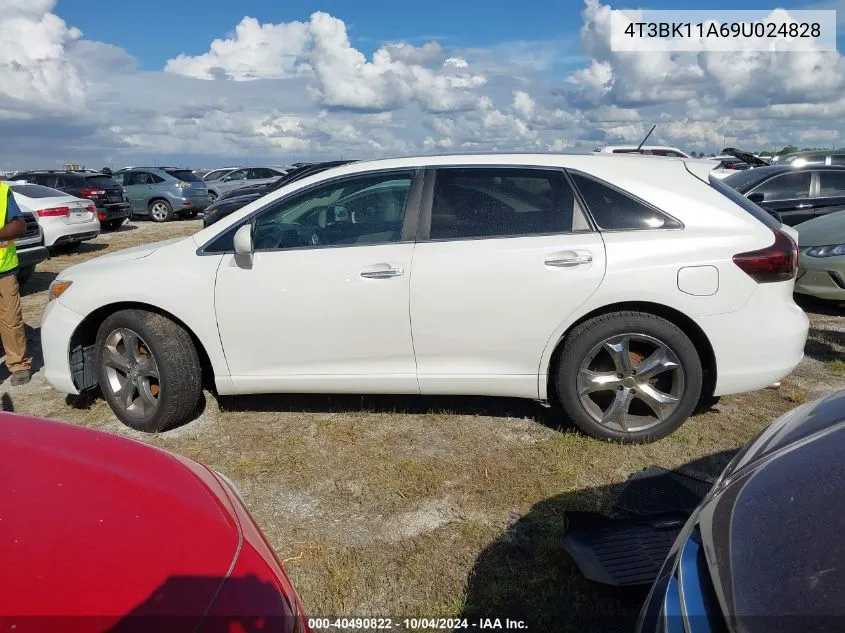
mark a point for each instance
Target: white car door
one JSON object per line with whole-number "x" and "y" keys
{"x": 323, "y": 304}
{"x": 506, "y": 257}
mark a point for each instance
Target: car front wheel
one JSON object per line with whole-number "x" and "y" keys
{"x": 148, "y": 369}
{"x": 628, "y": 377}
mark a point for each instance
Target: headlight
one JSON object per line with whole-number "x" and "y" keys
{"x": 832, "y": 250}
{"x": 57, "y": 288}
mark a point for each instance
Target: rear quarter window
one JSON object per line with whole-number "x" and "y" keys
{"x": 185, "y": 175}
{"x": 103, "y": 182}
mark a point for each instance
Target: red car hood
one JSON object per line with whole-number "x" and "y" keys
{"x": 95, "y": 525}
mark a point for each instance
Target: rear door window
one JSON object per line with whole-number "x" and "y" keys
{"x": 791, "y": 186}
{"x": 831, "y": 184}
{"x": 101, "y": 182}
{"x": 261, "y": 172}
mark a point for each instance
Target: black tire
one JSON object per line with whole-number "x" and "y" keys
{"x": 212, "y": 196}
{"x": 188, "y": 215}
{"x": 25, "y": 274}
{"x": 111, "y": 225}
{"x": 160, "y": 210}
{"x": 640, "y": 328}
{"x": 179, "y": 382}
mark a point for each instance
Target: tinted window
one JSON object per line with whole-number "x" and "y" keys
{"x": 118, "y": 177}
{"x": 786, "y": 186}
{"x": 837, "y": 159}
{"x": 48, "y": 180}
{"x": 745, "y": 180}
{"x": 185, "y": 175}
{"x": 615, "y": 210}
{"x": 154, "y": 178}
{"x": 238, "y": 174}
{"x": 36, "y": 191}
{"x": 500, "y": 202}
{"x": 261, "y": 172}
{"x": 103, "y": 182}
{"x": 215, "y": 174}
{"x": 361, "y": 210}
{"x": 743, "y": 202}
{"x": 831, "y": 183}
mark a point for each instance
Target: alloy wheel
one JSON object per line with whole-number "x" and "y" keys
{"x": 159, "y": 211}
{"x": 132, "y": 373}
{"x": 630, "y": 382}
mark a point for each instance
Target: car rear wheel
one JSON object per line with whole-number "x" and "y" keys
{"x": 148, "y": 370}
{"x": 628, "y": 377}
{"x": 212, "y": 196}
{"x": 160, "y": 211}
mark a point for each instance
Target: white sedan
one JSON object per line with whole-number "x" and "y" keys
{"x": 65, "y": 220}
{"x": 629, "y": 291}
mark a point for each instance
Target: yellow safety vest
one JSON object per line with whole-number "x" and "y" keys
{"x": 8, "y": 252}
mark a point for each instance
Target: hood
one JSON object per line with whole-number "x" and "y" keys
{"x": 821, "y": 231}
{"x": 127, "y": 254}
{"x": 92, "y": 524}
{"x": 744, "y": 156}
{"x": 772, "y": 527}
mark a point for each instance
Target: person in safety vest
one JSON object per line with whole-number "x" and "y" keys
{"x": 12, "y": 226}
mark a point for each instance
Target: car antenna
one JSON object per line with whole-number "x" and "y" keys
{"x": 640, "y": 146}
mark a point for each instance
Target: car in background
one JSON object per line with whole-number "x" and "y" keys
{"x": 107, "y": 194}
{"x": 30, "y": 248}
{"x": 612, "y": 285}
{"x": 821, "y": 265}
{"x": 811, "y": 157}
{"x": 162, "y": 193}
{"x": 217, "y": 174}
{"x": 649, "y": 150}
{"x": 762, "y": 552}
{"x": 66, "y": 221}
{"x": 81, "y": 507}
{"x": 258, "y": 175}
{"x": 796, "y": 194}
{"x": 234, "y": 200}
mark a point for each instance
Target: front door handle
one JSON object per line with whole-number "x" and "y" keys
{"x": 568, "y": 260}
{"x": 803, "y": 206}
{"x": 382, "y": 271}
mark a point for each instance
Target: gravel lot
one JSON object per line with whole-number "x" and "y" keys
{"x": 403, "y": 506}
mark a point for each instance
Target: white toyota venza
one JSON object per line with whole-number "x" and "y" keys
{"x": 628, "y": 291}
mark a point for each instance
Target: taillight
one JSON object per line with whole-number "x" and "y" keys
{"x": 101, "y": 216}
{"x": 53, "y": 212}
{"x": 91, "y": 208}
{"x": 92, "y": 193}
{"x": 778, "y": 262}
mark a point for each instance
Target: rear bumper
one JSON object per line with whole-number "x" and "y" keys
{"x": 58, "y": 324}
{"x": 61, "y": 232}
{"x": 759, "y": 344}
{"x": 114, "y": 211}
{"x": 32, "y": 256}
{"x": 191, "y": 204}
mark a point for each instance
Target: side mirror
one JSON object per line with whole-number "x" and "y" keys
{"x": 757, "y": 197}
{"x": 243, "y": 240}
{"x": 226, "y": 179}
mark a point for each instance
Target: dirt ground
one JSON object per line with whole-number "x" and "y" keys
{"x": 413, "y": 507}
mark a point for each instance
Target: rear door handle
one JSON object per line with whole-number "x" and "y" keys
{"x": 568, "y": 260}
{"x": 382, "y": 271}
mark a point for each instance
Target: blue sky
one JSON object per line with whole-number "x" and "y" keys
{"x": 207, "y": 83}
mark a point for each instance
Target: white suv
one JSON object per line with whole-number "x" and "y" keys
{"x": 629, "y": 291}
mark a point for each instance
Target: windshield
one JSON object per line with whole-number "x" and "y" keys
{"x": 216, "y": 174}
{"x": 185, "y": 175}
{"x": 745, "y": 180}
{"x": 734, "y": 196}
{"x": 36, "y": 191}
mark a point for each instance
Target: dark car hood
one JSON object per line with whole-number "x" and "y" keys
{"x": 92, "y": 524}
{"x": 773, "y": 526}
{"x": 744, "y": 156}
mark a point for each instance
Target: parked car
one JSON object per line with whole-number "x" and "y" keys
{"x": 30, "y": 248}
{"x": 762, "y": 552}
{"x": 811, "y": 157}
{"x": 217, "y": 174}
{"x": 66, "y": 221}
{"x": 108, "y": 196}
{"x": 162, "y": 193}
{"x": 244, "y": 176}
{"x": 797, "y": 194}
{"x": 649, "y": 150}
{"x": 625, "y": 289}
{"x": 821, "y": 265}
{"x": 230, "y": 202}
{"x": 81, "y": 508}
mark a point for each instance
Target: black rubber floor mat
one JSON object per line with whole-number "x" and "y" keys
{"x": 620, "y": 552}
{"x": 657, "y": 491}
